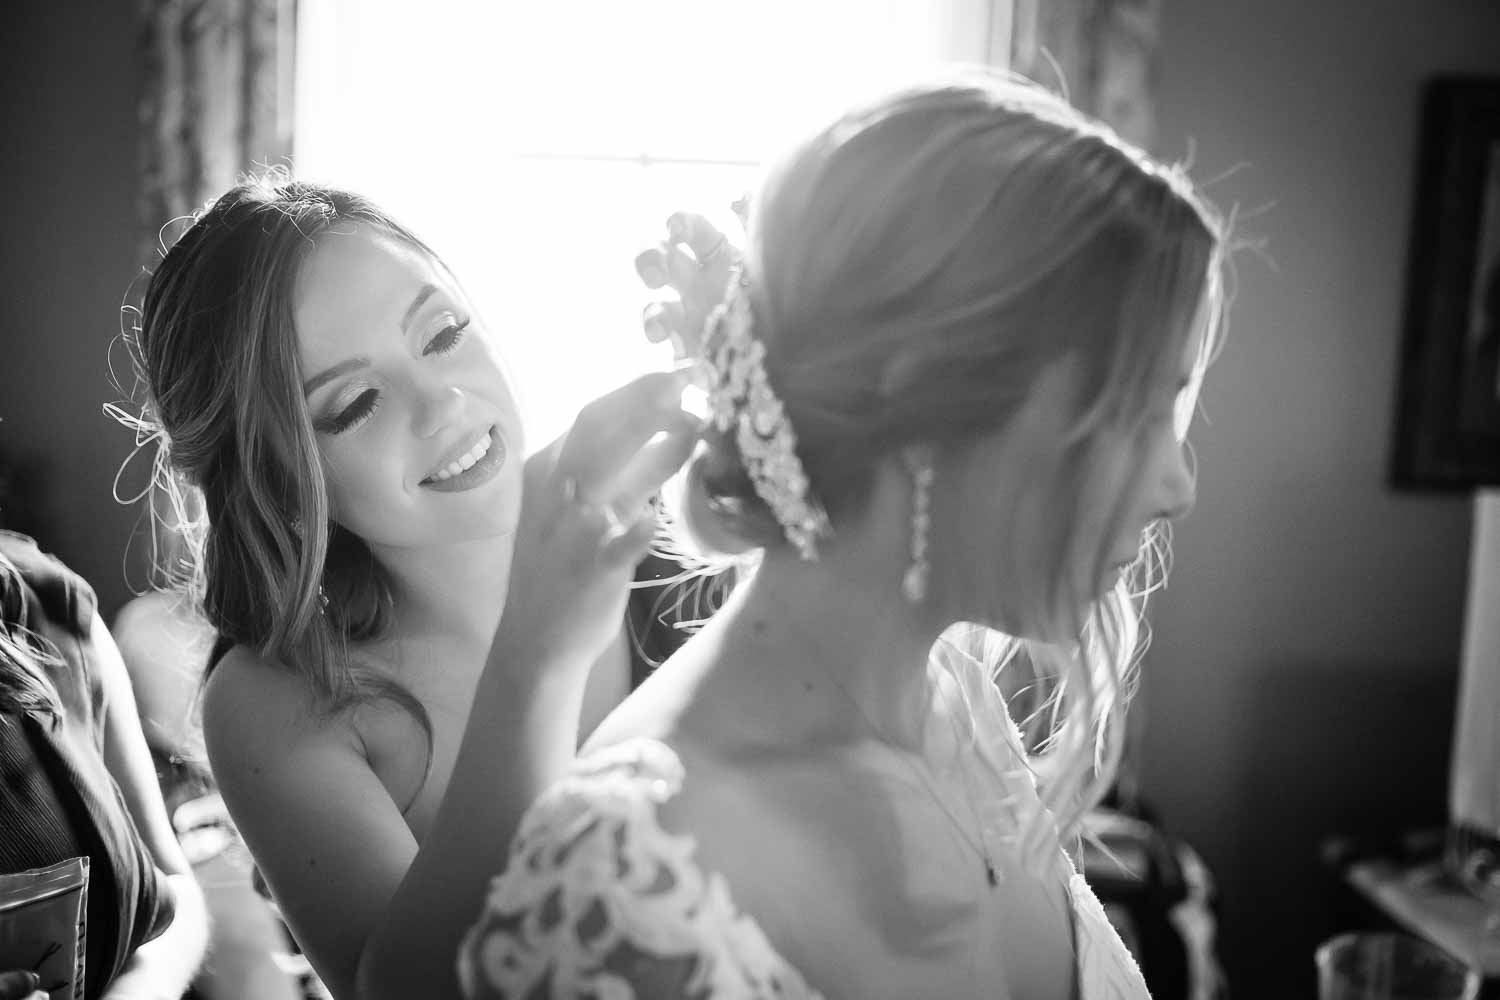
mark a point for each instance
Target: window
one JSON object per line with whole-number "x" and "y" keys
{"x": 539, "y": 146}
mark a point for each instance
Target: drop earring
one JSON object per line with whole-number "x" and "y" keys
{"x": 914, "y": 583}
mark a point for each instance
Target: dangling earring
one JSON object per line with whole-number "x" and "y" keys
{"x": 914, "y": 583}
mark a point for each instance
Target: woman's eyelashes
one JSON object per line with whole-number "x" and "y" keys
{"x": 356, "y": 413}
{"x": 446, "y": 339}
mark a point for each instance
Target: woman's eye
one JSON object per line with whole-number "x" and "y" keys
{"x": 447, "y": 339}
{"x": 355, "y": 413}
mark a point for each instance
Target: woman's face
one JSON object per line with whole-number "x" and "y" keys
{"x": 1138, "y": 478}
{"x": 417, "y": 426}
{"x": 1014, "y": 487}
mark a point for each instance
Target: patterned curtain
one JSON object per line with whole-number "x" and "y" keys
{"x": 216, "y": 100}
{"x": 1104, "y": 50}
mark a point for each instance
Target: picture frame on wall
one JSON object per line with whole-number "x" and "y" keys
{"x": 1447, "y": 431}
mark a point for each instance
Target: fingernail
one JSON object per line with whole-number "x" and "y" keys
{"x": 675, "y": 229}
{"x": 648, "y": 268}
{"x": 694, "y": 371}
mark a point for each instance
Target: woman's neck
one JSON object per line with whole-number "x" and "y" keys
{"x": 455, "y": 590}
{"x": 830, "y": 650}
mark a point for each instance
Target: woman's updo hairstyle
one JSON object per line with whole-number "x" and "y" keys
{"x": 913, "y": 267}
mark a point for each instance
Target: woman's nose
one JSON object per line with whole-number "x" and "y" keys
{"x": 437, "y": 408}
{"x": 1179, "y": 488}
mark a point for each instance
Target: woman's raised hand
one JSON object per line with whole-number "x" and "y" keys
{"x": 695, "y": 264}
{"x": 585, "y": 523}
{"x": 586, "y": 516}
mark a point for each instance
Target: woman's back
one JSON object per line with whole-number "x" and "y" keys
{"x": 852, "y": 869}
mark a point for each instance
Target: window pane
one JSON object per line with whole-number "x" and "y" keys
{"x": 427, "y": 113}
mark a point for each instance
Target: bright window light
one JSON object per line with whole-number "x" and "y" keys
{"x": 539, "y": 146}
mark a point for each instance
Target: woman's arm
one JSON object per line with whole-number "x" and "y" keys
{"x": 376, "y": 915}
{"x": 569, "y": 579}
{"x": 165, "y": 966}
{"x": 320, "y": 824}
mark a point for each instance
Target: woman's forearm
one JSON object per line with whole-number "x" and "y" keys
{"x": 163, "y": 969}
{"x": 521, "y": 737}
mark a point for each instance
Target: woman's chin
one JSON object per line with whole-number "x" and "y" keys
{"x": 479, "y": 527}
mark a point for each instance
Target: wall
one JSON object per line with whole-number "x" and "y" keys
{"x": 68, "y": 173}
{"x": 1303, "y": 673}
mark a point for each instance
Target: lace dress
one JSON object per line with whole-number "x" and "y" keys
{"x": 600, "y": 901}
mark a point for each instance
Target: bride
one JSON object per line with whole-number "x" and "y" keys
{"x": 952, "y": 385}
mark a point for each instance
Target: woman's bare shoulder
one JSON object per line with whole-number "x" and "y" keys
{"x": 259, "y": 706}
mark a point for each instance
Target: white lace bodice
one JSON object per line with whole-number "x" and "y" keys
{"x": 598, "y": 900}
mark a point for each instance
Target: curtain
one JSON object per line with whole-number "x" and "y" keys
{"x": 215, "y": 101}
{"x": 1104, "y": 50}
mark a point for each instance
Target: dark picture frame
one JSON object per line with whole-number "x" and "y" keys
{"x": 1447, "y": 433}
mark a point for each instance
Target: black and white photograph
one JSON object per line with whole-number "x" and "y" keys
{"x": 776, "y": 500}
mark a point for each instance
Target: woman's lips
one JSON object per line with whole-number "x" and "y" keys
{"x": 482, "y": 471}
{"x": 460, "y": 459}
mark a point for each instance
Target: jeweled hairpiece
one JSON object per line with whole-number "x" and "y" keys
{"x": 742, "y": 399}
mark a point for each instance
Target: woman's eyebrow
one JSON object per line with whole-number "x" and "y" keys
{"x": 423, "y": 294}
{"x": 353, "y": 364}
{"x": 321, "y": 379}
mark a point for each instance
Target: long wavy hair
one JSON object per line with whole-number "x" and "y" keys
{"x": 913, "y": 269}
{"x": 237, "y": 461}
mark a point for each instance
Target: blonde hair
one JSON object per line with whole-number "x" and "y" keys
{"x": 913, "y": 269}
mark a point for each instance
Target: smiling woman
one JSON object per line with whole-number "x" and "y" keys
{"x": 410, "y": 393}
{"x": 320, "y": 377}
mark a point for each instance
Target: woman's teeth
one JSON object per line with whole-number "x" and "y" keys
{"x": 464, "y": 461}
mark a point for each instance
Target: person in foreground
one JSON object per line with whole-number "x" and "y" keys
{"x": 951, "y": 394}
{"x": 76, "y": 781}
{"x": 376, "y": 725}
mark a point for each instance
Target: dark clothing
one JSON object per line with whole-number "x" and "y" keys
{"x": 664, "y": 615}
{"x": 57, "y": 798}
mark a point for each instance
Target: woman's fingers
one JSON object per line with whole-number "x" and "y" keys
{"x": 670, "y": 264}
{"x": 612, "y": 429}
{"x": 697, "y": 263}
{"x": 651, "y": 267}
{"x": 697, "y": 234}
{"x": 656, "y": 460}
{"x": 629, "y": 547}
{"x": 687, "y": 273}
{"x": 699, "y": 280}
{"x": 663, "y": 320}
